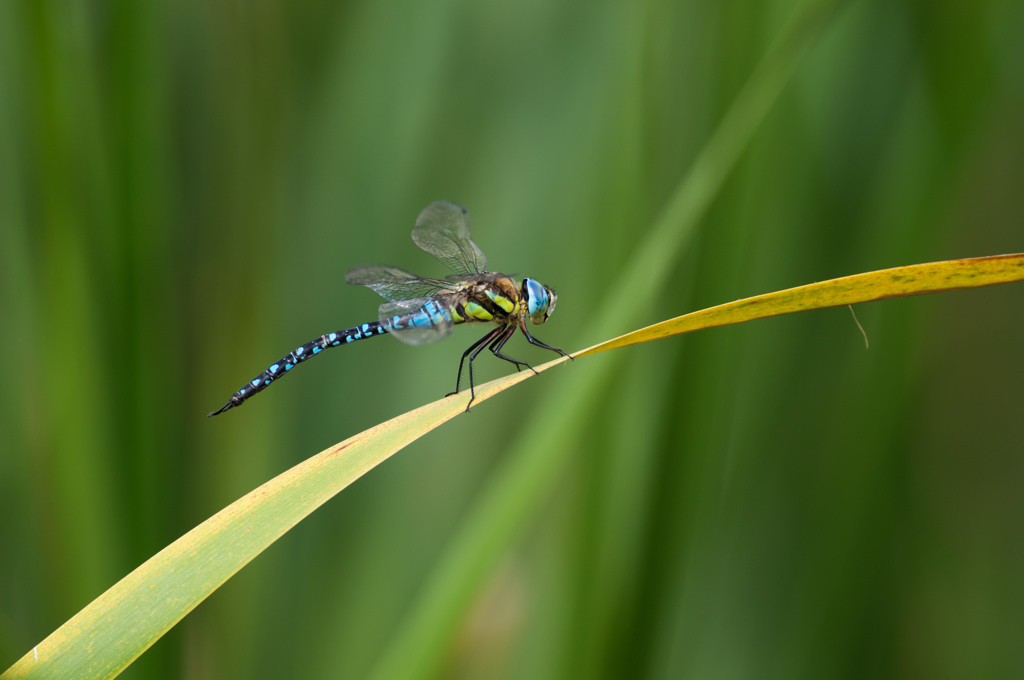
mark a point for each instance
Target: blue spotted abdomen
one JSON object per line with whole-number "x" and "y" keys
{"x": 300, "y": 354}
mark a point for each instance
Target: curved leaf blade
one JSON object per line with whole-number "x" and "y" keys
{"x": 118, "y": 626}
{"x": 918, "y": 279}
{"x": 113, "y": 630}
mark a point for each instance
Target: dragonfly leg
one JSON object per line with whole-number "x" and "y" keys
{"x": 535, "y": 341}
{"x": 500, "y": 342}
{"x": 479, "y": 348}
{"x": 478, "y": 343}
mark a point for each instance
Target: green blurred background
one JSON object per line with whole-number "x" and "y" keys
{"x": 184, "y": 184}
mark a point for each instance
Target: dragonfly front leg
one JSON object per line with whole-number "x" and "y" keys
{"x": 534, "y": 341}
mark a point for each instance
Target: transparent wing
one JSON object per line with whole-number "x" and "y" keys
{"x": 442, "y": 229}
{"x": 392, "y": 283}
{"x": 455, "y": 281}
{"x": 418, "y": 321}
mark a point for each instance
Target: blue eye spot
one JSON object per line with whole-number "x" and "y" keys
{"x": 536, "y": 299}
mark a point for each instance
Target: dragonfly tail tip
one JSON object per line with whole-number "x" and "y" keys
{"x": 223, "y": 408}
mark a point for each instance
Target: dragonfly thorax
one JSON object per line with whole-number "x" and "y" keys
{"x": 540, "y": 300}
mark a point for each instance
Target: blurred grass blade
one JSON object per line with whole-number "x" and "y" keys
{"x": 530, "y": 471}
{"x": 918, "y": 279}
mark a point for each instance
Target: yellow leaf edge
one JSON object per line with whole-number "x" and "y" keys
{"x": 160, "y": 592}
{"x": 917, "y": 279}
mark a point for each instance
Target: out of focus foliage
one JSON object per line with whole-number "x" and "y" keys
{"x": 184, "y": 184}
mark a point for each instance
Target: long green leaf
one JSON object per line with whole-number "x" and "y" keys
{"x": 113, "y": 630}
{"x": 118, "y": 626}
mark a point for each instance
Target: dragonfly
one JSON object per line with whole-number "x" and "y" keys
{"x": 419, "y": 311}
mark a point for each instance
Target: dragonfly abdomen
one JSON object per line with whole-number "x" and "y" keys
{"x": 300, "y": 354}
{"x": 431, "y": 315}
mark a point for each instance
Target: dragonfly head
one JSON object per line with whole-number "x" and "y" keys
{"x": 540, "y": 300}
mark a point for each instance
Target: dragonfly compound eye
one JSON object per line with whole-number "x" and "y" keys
{"x": 540, "y": 301}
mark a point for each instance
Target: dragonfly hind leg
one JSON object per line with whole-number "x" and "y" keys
{"x": 474, "y": 349}
{"x": 496, "y": 333}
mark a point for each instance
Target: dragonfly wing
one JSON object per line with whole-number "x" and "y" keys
{"x": 458, "y": 280}
{"x": 419, "y": 321}
{"x": 442, "y": 229}
{"x": 392, "y": 283}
